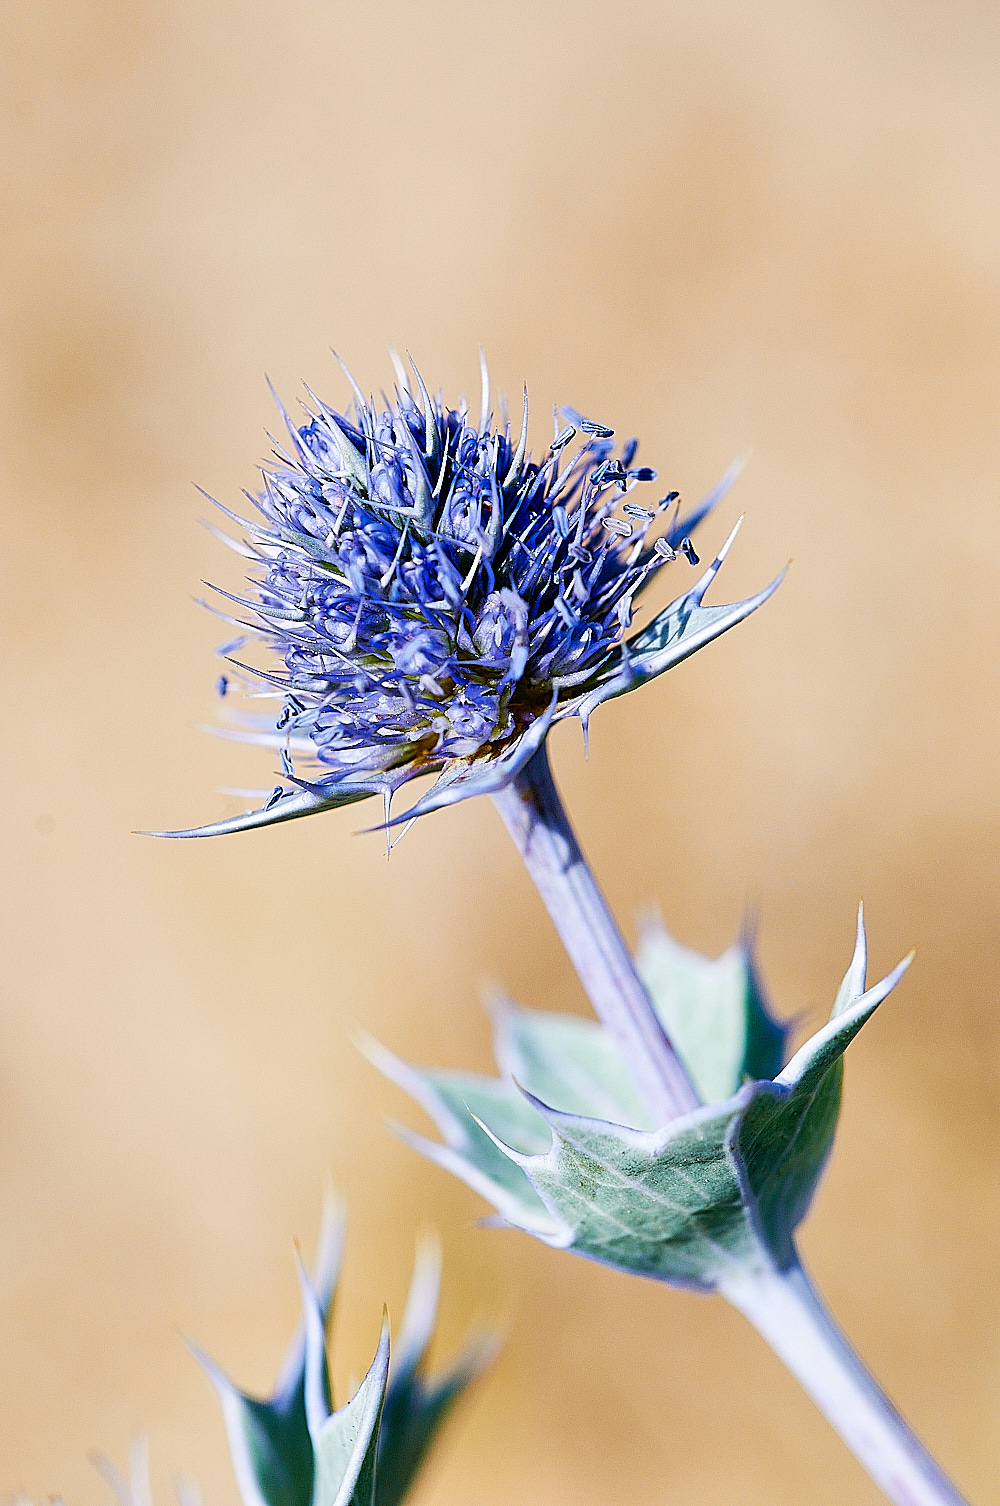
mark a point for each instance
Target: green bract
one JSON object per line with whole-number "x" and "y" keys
{"x": 292, "y": 1449}
{"x": 562, "y": 1147}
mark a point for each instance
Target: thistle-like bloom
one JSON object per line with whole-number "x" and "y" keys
{"x": 435, "y": 598}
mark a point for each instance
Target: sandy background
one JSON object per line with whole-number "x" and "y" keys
{"x": 721, "y": 227}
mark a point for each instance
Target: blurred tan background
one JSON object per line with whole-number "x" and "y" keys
{"x": 722, "y": 227}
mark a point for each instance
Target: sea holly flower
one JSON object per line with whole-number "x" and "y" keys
{"x": 564, "y": 1148}
{"x": 293, "y": 1449}
{"x": 433, "y": 599}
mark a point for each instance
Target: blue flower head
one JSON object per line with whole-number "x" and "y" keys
{"x": 434, "y": 598}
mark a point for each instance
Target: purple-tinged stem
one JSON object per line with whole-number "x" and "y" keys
{"x": 534, "y": 816}
{"x": 789, "y": 1313}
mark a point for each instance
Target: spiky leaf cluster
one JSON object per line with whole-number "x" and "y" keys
{"x": 563, "y": 1147}
{"x": 293, "y": 1449}
{"x": 434, "y": 598}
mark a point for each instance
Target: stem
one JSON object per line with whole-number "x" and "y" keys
{"x": 535, "y": 818}
{"x": 789, "y": 1313}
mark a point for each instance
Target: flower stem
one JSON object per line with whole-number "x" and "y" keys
{"x": 789, "y": 1313}
{"x": 535, "y": 818}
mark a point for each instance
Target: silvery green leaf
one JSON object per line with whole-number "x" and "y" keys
{"x": 457, "y": 1102}
{"x": 415, "y": 1407}
{"x": 269, "y": 1438}
{"x": 714, "y": 1012}
{"x": 787, "y": 1133}
{"x": 346, "y": 1443}
{"x": 714, "y": 1191}
{"x": 566, "y": 1061}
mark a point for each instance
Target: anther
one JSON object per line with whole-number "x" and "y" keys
{"x": 687, "y": 549}
{"x": 633, "y": 510}
{"x": 562, "y": 439}
{"x": 274, "y": 797}
{"x": 579, "y": 553}
{"x": 606, "y": 472}
{"x": 663, "y": 549}
{"x": 560, "y": 520}
{"x": 618, "y": 527}
{"x": 286, "y": 764}
{"x": 222, "y": 685}
{"x": 599, "y": 431}
{"x": 643, "y": 473}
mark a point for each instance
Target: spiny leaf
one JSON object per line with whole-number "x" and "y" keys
{"x": 714, "y": 1012}
{"x": 716, "y": 1190}
{"x": 269, "y": 1438}
{"x": 415, "y": 1407}
{"x": 784, "y": 1141}
{"x": 346, "y": 1444}
{"x": 457, "y": 1102}
{"x": 568, "y": 1062}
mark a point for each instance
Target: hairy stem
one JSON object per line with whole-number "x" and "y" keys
{"x": 535, "y": 818}
{"x": 789, "y": 1313}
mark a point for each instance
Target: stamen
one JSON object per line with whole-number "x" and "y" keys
{"x": 663, "y": 549}
{"x": 607, "y": 472}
